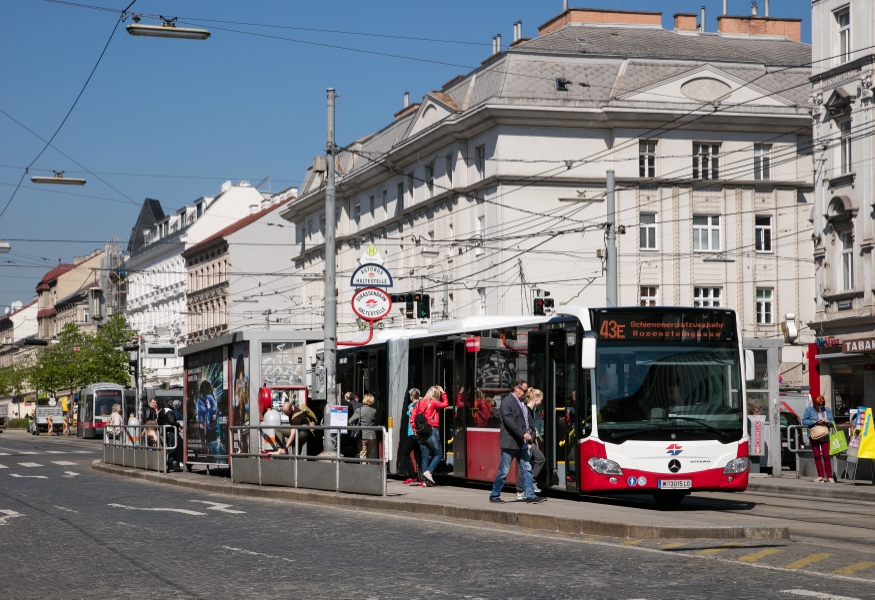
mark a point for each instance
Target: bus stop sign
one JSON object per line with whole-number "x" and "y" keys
{"x": 371, "y": 304}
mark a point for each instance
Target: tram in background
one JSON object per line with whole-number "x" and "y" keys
{"x": 95, "y": 407}
{"x": 638, "y": 399}
{"x": 160, "y": 395}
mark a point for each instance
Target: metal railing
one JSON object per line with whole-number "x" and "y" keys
{"x": 131, "y": 446}
{"x": 332, "y": 472}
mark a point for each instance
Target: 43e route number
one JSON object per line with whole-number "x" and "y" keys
{"x": 611, "y": 330}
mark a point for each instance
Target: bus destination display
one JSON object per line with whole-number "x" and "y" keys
{"x": 666, "y": 327}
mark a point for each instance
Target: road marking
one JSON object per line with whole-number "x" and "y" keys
{"x": 592, "y": 539}
{"x": 9, "y": 515}
{"x": 851, "y": 569}
{"x": 251, "y": 553}
{"x": 179, "y": 510}
{"x": 630, "y": 543}
{"x": 560, "y": 535}
{"x": 808, "y": 560}
{"x": 66, "y": 509}
{"x": 54, "y": 452}
{"x": 3, "y": 467}
{"x": 222, "y": 507}
{"x": 29, "y": 476}
{"x": 29, "y": 464}
{"x": 69, "y": 474}
{"x": 4, "y": 454}
{"x": 530, "y": 530}
{"x": 713, "y": 551}
{"x": 64, "y": 463}
{"x": 674, "y": 545}
{"x": 23, "y": 452}
{"x": 822, "y": 595}
{"x": 82, "y": 451}
{"x": 749, "y": 558}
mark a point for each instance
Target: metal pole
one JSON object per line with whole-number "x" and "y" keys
{"x": 611, "y": 266}
{"x": 139, "y": 401}
{"x": 267, "y": 316}
{"x": 725, "y": 8}
{"x": 330, "y": 325}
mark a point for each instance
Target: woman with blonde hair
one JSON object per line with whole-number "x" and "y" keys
{"x": 427, "y": 430}
{"x": 365, "y": 416}
{"x": 533, "y": 399}
{"x": 115, "y": 420}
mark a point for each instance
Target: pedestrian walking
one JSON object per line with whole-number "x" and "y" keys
{"x": 365, "y": 416}
{"x": 818, "y": 419}
{"x": 411, "y": 443}
{"x": 169, "y": 425}
{"x": 426, "y": 423}
{"x": 533, "y": 399}
{"x": 115, "y": 420}
{"x": 514, "y": 440}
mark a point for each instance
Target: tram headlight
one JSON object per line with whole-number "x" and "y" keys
{"x": 603, "y": 466}
{"x": 735, "y": 466}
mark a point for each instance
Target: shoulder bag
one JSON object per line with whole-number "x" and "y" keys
{"x": 818, "y": 432}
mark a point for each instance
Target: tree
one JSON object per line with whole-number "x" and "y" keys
{"x": 107, "y": 361}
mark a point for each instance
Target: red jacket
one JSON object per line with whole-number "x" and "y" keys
{"x": 430, "y": 409}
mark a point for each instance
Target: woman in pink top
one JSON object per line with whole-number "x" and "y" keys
{"x": 435, "y": 399}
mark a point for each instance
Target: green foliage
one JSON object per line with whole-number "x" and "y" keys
{"x": 17, "y": 424}
{"x": 81, "y": 358}
{"x": 14, "y": 379}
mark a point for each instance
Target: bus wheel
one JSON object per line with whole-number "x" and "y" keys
{"x": 669, "y": 498}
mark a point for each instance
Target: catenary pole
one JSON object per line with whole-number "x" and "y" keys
{"x": 611, "y": 266}
{"x": 330, "y": 325}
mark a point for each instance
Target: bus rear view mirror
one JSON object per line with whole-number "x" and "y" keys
{"x": 750, "y": 370}
{"x": 587, "y": 353}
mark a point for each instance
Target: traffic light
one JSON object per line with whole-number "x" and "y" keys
{"x": 539, "y": 307}
{"x": 423, "y": 306}
{"x": 133, "y": 363}
{"x": 548, "y": 304}
{"x": 408, "y": 299}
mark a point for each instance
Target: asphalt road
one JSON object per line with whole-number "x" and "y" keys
{"x": 69, "y": 532}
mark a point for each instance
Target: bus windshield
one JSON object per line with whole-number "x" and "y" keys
{"x": 668, "y": 391}
{"x": 103, "y": 401}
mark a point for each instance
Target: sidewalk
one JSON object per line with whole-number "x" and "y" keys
{"x": 788, "y": 485}
{"x": 591, "y": 517}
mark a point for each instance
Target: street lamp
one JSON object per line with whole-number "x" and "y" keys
{"x": 58, "y": 179}
{"x": 167, "y": 29}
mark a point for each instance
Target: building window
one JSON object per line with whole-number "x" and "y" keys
{"x": 322, "y": 224}
{"x": 480, "y": 161}
{"x": 762, "y": 162}
{"x": 847, "y": 261}
{"x": 763, "y": 234}
{"x": 481, "y": 292}
{"x": 373, "y": 204}
{"x": 85, "y": 316}
{"x": 647, "y": 158}
{"x": 706, "y": 233}
{"x": 647, "y": 231}
{"x": 764, "y": 306}
{"x": 845, "y": 145}
{"x": 449, "y": 159}
{"x": 707, "y": 297}
{"x": 649, "y": 295}
{"x": 411, "y": 187}
{"x": 429, "y": 180}
{"x": 481, "y": 235}
{"x": 385, "y": 200}
{"x": 357, "y": 215}
{"x": 843, "y": 20}
{"x": 400, "y": 207}
{"x": 706, "y": 161}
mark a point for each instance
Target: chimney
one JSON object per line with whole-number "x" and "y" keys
{"x": 603, "y": 16}
{"x": 753, "y": 8}
{"x": 754, "y": 25}
{"x": 766, "y": 8}
{"x": 498, "y": 43}
{"x": 702, "y": 26}
{"x": 253, "y": 208}
{"x": 517, "y": 31}
{"x": 685, "y": 21}
{"x": 564, "y": 5}
{"x": 406, "y": 99}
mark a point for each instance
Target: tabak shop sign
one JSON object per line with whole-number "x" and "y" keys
{"x": 859, "y": 346}
{"x": 371, "y": 304}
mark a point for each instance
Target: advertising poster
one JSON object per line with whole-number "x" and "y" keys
{"x": 206, "y": 408}
{"x": 282, "y": 363}
{"x": 239, "y": 389}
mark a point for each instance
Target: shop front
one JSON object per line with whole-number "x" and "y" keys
{"x": 847, "y": 374}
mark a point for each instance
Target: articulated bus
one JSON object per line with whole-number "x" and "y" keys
{"x": 637, "y": 399}
{"x": 95, "y": 407}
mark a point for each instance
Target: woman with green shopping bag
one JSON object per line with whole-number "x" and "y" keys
{"x": 818, "y": 419}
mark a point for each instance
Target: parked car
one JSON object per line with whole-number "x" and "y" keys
{"x": 788, "y": 458}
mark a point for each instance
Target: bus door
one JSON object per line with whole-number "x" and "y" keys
{"x": 443, "y": 353}
{"x": 460, "y": 403}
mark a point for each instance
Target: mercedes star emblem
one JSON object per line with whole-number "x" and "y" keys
{"x": 674, "y": 465}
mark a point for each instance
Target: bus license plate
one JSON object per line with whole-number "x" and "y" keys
{"x": 674, "y": 484}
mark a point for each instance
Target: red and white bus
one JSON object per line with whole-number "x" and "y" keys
{"x": 638, "y": 399}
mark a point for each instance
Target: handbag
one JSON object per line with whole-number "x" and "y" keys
{"x": 818, "y": 433}
{"x": 838, "y": 443}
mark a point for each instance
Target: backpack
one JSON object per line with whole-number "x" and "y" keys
{"x": 421, "y": 426}
{"x": 310, "y": 415}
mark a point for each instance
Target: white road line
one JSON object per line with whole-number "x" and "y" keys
{"x": 28, "y": 476}
{"x": 221, "y": 507}
{"x": 70, "y": 474}
{"x": 179, "y": 510}
{"x": 66, "y": 509}
{"x": 54, "y": 452}
{"x": 83, "y": 451}
{"x": 9, "y": 514}
{"x": 4, "y": 454}
{"x": 64, "y": 463}
{"x": 813, "y": 594}
{"x": 23, "y": 452}
{"x": 3, "y": 467}
{"x": 251, "y": 553}
{"x": 29, "y": 464}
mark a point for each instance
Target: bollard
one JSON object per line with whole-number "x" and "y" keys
{"x": 268, "y": 436}
{"x": 51, "y": 425}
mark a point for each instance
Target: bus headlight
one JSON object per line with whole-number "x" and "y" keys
{"x": 736, "y": 465}
{"x": 603, "y": 466}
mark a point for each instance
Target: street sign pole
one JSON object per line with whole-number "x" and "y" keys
{"x": 330, "y": 312}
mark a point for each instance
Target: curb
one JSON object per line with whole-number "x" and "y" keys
{"x": 834, "y": 492}
{"x": 527, "y": 520}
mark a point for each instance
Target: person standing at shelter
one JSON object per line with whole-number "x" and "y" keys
{"x": 427, "y": 431}
{"x": 151, "y": 411}
{"x": 365, "y": 416}
{"x": 411, "y": 443}
{"x": 514, "y": 440}
{"x": 818, "y": 419}
{"x": 115, "y": 420}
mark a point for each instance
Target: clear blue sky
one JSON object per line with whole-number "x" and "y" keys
{"x": 234, "y": 107}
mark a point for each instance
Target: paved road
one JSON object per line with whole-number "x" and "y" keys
{"x": 69, "y": 532}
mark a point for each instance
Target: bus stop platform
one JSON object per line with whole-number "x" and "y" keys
{"x": 789, "y": 485}
{"x": 565, "y": 514}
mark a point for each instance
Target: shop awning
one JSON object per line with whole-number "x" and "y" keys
{"x": 839, "y": 355}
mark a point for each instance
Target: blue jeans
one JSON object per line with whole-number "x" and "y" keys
{"x": 431, "y": 451}
{"x": 525, "y": 463}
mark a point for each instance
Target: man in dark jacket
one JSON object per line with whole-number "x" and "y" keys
{"x": 514, "y": 440}
{"x": 167, "y": 416}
